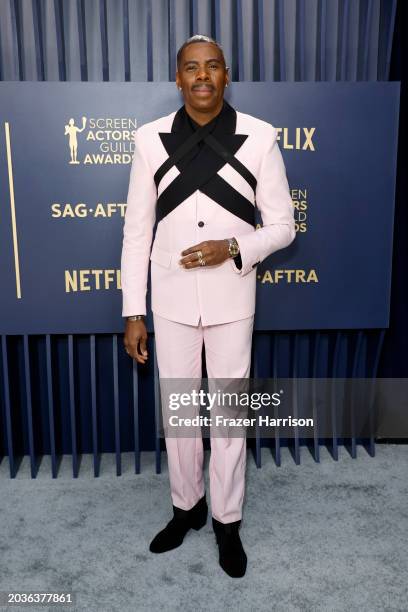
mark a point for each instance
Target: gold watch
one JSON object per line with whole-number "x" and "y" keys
{"x": 233, "y": 247}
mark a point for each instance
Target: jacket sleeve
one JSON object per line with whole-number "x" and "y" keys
{"x": 275, "y": 204}
{"x": 140, "y": 217}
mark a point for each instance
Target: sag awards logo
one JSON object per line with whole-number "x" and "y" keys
{"x": 275, "y": 276}
{"x": 101, "y": 140}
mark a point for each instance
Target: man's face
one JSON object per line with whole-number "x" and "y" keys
{"x": 202, "y": 76}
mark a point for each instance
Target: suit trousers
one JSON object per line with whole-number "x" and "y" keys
{"x": 228, "y": 356}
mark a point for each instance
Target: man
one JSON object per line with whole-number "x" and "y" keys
{"x": 199, "y": 172}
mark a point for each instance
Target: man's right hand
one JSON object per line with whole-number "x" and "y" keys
{"x": 135, "y": 340}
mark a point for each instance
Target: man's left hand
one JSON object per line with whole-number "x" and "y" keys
{"x": 213, "y": 252}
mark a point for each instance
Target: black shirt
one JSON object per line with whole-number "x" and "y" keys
{"x": 196, "y": 126}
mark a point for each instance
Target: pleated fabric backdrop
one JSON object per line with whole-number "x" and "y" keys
{"x": 81, "y": 394}
{"x": 137, "y": 40}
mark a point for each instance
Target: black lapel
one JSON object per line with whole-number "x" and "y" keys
{"x": 201, "y": 170}
{"x": 202, "y": 164}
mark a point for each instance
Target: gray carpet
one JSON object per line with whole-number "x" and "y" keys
{"x": 319, "y": 537}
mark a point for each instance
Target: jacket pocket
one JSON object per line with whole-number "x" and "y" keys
{"x": 160, "y": 256}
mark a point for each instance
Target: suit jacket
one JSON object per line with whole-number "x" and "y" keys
{"x": 220, "y": 293}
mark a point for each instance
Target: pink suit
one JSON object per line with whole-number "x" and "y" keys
{"x": 213, "y": 304}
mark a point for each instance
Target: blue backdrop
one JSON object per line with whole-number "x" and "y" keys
{"x": 81, "y": 393}
{"x": 61, "y": 230}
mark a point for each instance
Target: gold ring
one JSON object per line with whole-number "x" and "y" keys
{"x": 199, "y": 255}
{"x": 202, "y": 261}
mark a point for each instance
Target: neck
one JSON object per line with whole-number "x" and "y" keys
{"x": 205, "y": 116}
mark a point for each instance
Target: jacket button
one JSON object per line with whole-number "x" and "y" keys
{"x": 200, "y": 223}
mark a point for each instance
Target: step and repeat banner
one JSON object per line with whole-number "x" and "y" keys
{"x": 65, "y": 156}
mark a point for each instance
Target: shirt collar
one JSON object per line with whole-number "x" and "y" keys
{"x": 225, "y": 122}
{"x": 213, "y": 122}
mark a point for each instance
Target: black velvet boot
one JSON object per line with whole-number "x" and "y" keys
{"x": 232, "y": 557}
{"x": 183, "y": 520}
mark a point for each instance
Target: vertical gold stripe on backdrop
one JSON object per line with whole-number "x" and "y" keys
{"x": 13, "y": 209}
